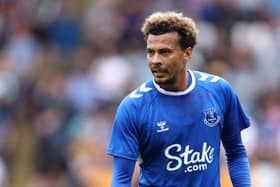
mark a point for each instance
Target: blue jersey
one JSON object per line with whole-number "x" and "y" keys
{"x": 176, "y": 135}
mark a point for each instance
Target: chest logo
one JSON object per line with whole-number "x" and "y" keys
{"x": 162, "y": 126}
{"x": 211, "y": 118}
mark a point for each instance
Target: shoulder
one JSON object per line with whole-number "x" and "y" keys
{"x": 141, "y": 91}
{"x": 214, "y": 85}
{"x": 211, "y": 82}
{"x": 141, "y": 95}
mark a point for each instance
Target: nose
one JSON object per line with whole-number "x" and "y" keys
{"x": 155, "y": 59}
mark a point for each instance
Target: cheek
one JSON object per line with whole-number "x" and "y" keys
{"x": 176, "y": 64}
{"x": 181, "y": 62}
{"x": 148, "y": 62}
{"x": 176, "y": 68}
{"x": 172, "y": 68}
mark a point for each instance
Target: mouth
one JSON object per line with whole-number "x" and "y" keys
{"x": 158, "y": 73}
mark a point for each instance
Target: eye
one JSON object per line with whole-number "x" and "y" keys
{"x": 150, "y": 52}
{"x": 165, "y": 51}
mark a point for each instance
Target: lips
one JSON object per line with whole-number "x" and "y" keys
{"x": 158, "y": 72}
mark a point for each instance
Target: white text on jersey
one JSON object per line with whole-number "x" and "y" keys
{"x": 193, "y": 160}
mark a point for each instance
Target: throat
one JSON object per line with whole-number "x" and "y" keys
{"x": 177, "y": 84}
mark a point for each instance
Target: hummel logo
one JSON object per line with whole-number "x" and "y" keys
{"x": 162, "y": 126}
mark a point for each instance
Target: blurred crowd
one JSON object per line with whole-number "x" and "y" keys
{"x": 66, "y": 64}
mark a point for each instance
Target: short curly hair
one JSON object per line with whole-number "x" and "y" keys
{"x": 164, "y": 22}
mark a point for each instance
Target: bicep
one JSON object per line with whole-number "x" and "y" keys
{"x": 124, "y": 140}
{"x": 235, "y": 120}
{"x": 234, "y": 146}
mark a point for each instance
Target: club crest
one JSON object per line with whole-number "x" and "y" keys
{"x": 211, "y": 117}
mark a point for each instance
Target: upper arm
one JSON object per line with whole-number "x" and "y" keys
{"x": 124, "y": 140}
{"x": 235, "y": 120}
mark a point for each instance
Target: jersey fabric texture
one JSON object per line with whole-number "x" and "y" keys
{"x": 176, "y": 136}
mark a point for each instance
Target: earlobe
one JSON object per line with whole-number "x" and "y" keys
{"x": 188, "y": 53}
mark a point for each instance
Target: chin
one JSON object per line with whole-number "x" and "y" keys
{"x": 164, "y": 80}
{"x": 161, "y": 81}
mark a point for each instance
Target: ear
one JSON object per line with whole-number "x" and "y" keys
{"x": 188, "y": 53}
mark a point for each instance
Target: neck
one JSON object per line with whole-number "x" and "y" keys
{"x": 179, "y": 84}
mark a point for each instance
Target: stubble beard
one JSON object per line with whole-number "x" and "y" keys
{"x": 166, "y": 82}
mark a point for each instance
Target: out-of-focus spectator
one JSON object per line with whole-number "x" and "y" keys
{"x": 113, "y": 76}
{"x": 9, "y": 82}
{"x": 65, "y": 63}
{"x": 3, "y": 173}
{"x": 65, "y": 30}
{"x": 265, "y": 174}
{"x": 80, "y": 89}
{"x": 86, "y": 159}
{"x": 268, "y": 116}
{"x": 21, "y": 45}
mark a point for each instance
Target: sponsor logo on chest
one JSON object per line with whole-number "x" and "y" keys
{"x": 192, "y": 160}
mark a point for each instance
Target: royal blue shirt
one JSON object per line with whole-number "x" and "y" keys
{"x": 176, "y": 135}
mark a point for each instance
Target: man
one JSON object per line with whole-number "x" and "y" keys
{"x": 174, "y": 123}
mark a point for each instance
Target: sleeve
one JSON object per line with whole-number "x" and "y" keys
{"x": 237, "y": 159}
{"x": 124, "y": 136}
{"x": 122, "y": 172}
{"x": 235, "y": 117}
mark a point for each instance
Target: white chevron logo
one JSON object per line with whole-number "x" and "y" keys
{"x": 142, "y": 88}
{"x": 205, "y": 76}
{"x": 134, "y": 94}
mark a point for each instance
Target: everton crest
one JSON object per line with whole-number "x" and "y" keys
{"x": 211, "y": 117}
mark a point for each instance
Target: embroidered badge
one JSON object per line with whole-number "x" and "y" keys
{"x": 211, "y": 117}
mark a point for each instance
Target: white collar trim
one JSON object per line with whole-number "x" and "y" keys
{"x": 178, "y": 93}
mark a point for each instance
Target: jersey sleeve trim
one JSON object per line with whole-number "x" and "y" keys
{"x": 121, "y": 155}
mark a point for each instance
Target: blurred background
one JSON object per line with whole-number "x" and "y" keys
{"x": 66, "y": 64}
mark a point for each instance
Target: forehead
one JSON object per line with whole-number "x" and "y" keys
{"x": 169, "y": 40}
